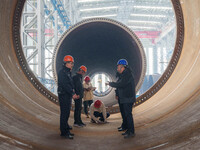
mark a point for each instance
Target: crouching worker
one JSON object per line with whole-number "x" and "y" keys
{"x": 98, "y": 112}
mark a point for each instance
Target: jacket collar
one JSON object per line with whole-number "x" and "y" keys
{"x": 125, "y": 70}
{"x": 79, "y": 75}
{"x": 66, "y": 69}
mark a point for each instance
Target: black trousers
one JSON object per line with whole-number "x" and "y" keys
{"x": 124, "y": 120}
{"x": 77, "y": 111}
{"x": 65, "y": 106}
{"x": 129, "y": 116}
{"x": 98, "y": 114}
{"x": 86, "y": 104}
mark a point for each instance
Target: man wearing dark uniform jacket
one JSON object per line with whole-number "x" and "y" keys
{"x": 65, "y": 95}
{"x": 126, "y": 94}
{"x": 79, "y": 90}
{"x": 123, "y": 126}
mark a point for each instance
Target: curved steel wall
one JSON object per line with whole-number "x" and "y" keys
{"x": 169, "y": 119}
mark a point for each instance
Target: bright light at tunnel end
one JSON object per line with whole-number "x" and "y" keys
{"x": 99, "y": 80}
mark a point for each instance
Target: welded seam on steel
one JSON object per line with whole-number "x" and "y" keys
{"x": 153, "y": 90}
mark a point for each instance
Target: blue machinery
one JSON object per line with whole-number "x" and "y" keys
{"x": 58, "y": 6}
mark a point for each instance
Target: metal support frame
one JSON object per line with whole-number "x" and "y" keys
{"x": 40, "y": 38}
{"x": 125, "y": 7}
{"x": 44, "y": 21}
{"x": 42, "y": 24}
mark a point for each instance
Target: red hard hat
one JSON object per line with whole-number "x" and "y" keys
{"x": 87, "y": 79}
{"x": 68, "y": 58}
{"x": 97, "y": 103}
{"x": 83, "y": 68}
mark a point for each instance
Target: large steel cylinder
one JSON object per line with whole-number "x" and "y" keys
{"x": 98, "y": 44}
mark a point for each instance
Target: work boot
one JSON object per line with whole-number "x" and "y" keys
{"x": 119, "y": 127}
{"x": 67, "y": 136}
{"x": 125, "y": 133}
{"x": 82, "y": 124}
{"x": 72, "y": 134}
{"x": 69, "y": 127}
{"x": 122, "y": 129}
{"x": 129, "y": 135}
{"x": 78, "y": 125}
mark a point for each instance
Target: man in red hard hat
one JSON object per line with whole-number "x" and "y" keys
{"x": 98, "y": 112}
{"x": 78, "y": 84}
{"x": 65, "y": 95}
{"x": 88, "y": 94}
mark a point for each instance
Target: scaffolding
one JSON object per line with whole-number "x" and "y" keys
{"x": 44, "y": 21}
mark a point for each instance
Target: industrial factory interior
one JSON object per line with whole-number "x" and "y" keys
{"x": 158, "y": 38}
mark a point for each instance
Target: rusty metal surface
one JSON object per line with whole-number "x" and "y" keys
{"x": 168, "y": 120}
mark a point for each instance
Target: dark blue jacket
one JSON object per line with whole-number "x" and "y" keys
{"x": 78, "y": 84}
{"x": 65, "y": 82}
{"x": 125, "y": 87}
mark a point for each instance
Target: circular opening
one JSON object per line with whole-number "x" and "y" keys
{"x": 152, "y": 21}
{"x": 152, "y": 16}
{"x": 98, "y": 44}
{"x": 99, "y": 81}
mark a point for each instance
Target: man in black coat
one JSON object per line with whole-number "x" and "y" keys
{"x": 79, "y": 90}
{"x": 65, "y": 95}
{"x": 123, "y": 126}
{"x": 126, "y": 94}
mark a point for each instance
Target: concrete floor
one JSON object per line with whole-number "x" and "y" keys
{"x": 168, "y": 120}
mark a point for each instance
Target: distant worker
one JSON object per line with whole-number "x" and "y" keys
{"x": 88, "y": 94}
{"x": 65, "y": 95}
{"x": 98, "y": 112}
{"x": 78, "y": 84}
{"x": 126, "y": 94}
